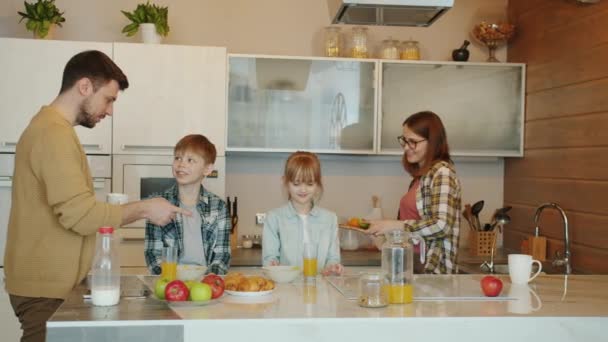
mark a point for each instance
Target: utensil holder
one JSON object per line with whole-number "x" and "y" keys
{"x": 480, "y": 243}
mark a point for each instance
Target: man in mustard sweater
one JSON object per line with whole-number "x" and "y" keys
{"x": 54, "y": 214}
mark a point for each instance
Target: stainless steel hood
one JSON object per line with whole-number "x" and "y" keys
{"x": 387, "y": 12}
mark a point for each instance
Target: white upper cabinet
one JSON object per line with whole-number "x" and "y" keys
{"x": 283, "y": 104}
{"x": 480, "y": 104}
{"x": 173, "y": 91}
{"x": 31, "y": 77}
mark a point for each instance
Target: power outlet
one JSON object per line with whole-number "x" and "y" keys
{"x": 260, "y": 218}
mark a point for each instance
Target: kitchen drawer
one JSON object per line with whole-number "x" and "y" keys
{"x": 131, "y": 248}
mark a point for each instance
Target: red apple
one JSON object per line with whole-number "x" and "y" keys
{"x": 491, "y": 286}
{"x": 176, "y": 291}
{"x": 217, "y": 284}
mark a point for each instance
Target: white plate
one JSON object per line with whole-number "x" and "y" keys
{"x": 249, "y": 294}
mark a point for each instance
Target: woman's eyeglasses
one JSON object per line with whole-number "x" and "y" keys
{"x": 409, "y": 142}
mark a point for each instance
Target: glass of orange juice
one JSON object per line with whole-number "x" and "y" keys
{"x": 169, "y": 263}
{"x": 310, "y": 260}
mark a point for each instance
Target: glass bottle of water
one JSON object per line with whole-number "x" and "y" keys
{"x": 105, "y": 278}
{"x": 398, "y": 267}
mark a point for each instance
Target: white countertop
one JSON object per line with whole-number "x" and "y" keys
{"x": 446, "y": 307}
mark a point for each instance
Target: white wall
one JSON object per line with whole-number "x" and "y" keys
{"x": 283, "y": 27}
{"x": 350, "y": 182}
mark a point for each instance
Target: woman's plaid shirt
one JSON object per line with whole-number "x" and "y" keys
{"x": 438, "y": 202}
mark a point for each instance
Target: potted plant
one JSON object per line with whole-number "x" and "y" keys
{"x": 41, "y": 17}
{"x": 151, "y": 18}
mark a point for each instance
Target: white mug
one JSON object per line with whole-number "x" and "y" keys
{"x": 522, "y": 299}
{"x": 520, "y": 267}
{"x": 117, "y": 198}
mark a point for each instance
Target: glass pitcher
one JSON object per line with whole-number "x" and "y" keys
{"x": 398, "y": 265}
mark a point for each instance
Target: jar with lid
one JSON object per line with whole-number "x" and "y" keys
{"x": 359, "y": 42}
{"x": 398, "y": 267}
{"x": 105, "y": 271}
{"x": 410, "y": 50}
{"x": 373, "y": 290}
{"x": 246, "y": 241}
{"x": 389, "y": 49}
{"x": 333, "y": 42}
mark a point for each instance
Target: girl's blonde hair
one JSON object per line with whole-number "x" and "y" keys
{"x": 303, "y": 167}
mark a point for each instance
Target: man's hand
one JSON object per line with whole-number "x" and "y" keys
{"x": 160, "y": 212}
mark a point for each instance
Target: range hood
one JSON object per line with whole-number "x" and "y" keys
{"x": 387, "y": 12}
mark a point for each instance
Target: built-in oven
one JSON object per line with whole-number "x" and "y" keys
{"x": 141, "y": 176}
{"x": 101, "y": 171}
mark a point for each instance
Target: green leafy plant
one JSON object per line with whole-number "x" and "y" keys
{"x": 147, "y": 14}
{"x": 40, "y": 16}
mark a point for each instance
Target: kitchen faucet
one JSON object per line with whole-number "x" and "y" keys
{"x": 558, "y": 261}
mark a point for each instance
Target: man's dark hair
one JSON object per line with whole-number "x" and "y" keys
{"x": 94, "y": 65}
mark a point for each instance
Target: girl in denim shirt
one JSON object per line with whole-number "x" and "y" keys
{"x": 301, "y": 221}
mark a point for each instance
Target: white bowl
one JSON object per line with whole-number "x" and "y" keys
{"x": 282, "y": 274}
{"x": 190, "y": 272}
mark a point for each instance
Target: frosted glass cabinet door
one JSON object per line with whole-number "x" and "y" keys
{"x": 286, "y": 104}
{"x": 481, "y": 105}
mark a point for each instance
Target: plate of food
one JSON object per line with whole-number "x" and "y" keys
{"x": 356, "y": 223}
{"x": 181, "y": 293}
{"x": 241, "y": 285}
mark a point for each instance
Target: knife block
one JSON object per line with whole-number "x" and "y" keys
{"x": 537, "y": 246}
{"x": 234, "y": 237}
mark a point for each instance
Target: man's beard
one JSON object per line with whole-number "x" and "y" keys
{"x": 85, "y": 118}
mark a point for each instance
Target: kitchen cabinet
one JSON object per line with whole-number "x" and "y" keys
{"x": 31, "y": 77}
{"x": 283, "y": 104}
{"x": 480, "y": 104}
{"x": 173, "y": 91}
{"x": 350, "y": 106}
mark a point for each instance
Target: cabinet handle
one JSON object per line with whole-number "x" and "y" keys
{"x": 93, "y": 146}
{"x": 146, "y": 147}
{"x": 132, "y": 238}
{"x": 6, "y": 182}
{"x": 99, "y": 183}
{"x": 8, "y": 144}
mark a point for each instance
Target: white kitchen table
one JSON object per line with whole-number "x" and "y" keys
{"x": 446, "y": 308}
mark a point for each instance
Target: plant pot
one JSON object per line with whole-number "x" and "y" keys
{"x": 50, "y": 35}
{"x": 149, "y": 34}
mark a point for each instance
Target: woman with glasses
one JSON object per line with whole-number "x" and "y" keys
{"x": 431, "y": 207}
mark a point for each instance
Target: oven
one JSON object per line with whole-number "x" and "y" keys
{"x": 140, "y": 176}
{"x": 101, "y": 171}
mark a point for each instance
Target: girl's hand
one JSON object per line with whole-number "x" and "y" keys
{"x": 333, "y": 269}
{"x": 381, "y": 227}
{"x": 273, "y": 263}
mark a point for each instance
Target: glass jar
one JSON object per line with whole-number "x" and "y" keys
{"x": 332, "y": 41}
{"x": 359, "y": 42}
{"x": 398, "y": 267}
{"x": 410, "y": 50}
{"x": 373, "y": 290}
{"x": 246, "y": 241}
{"x": 389, "y": 49}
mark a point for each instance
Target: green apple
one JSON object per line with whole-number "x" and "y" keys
{"x": 159, "y": 287}
{"x": 200, "y": 292}
{"x": 189, "y": 284}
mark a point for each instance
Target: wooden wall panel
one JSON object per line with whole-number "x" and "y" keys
{"x": 570, "y": 163}
{"x": 565, "y": 70}
{"x": 565, "y": 47}
{"x": 581, "y": 98}
{"x": 574, "y": 131}
{"x": 562, "y": 28}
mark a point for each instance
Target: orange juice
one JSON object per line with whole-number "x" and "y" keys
{"x": 400, "y": 294}
{"x": 169, "y": 270}
{"x": 310, "y": 267}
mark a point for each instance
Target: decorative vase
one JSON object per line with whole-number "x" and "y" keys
{"x": 493, "y": 36}
{"x": 149, "y": 34}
